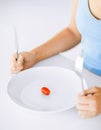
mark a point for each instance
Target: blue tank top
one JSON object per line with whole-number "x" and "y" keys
{"x": 90, "y": 29}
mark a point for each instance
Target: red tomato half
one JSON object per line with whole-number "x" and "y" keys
{"x": 45, "y": 90}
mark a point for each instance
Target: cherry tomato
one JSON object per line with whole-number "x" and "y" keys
{"x": 45, "y": 90}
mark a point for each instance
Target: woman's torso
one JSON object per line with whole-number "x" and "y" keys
{"x": 90, "y": 29}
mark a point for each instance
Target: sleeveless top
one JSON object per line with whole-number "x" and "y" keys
{"x": 90, "y": 29}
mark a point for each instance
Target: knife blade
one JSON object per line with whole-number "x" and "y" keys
{"x": 16, "y": 43}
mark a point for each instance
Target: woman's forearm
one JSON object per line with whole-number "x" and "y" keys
{"x": 63, "y": 41}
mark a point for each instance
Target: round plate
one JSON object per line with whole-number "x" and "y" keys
{"x": 64, "y": 84}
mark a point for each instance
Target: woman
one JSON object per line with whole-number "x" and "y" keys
{"x": 85, "y": 27}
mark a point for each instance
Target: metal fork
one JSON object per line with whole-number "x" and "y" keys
{"x": 78, "y": 70}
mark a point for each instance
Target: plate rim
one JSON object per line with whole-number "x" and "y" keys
{"x": 34, "y": 110}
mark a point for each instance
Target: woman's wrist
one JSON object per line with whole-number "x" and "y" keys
{"x": 36, "y": 54}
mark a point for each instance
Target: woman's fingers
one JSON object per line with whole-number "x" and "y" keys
{"x": 82, "y": 99}
{"x": 87, "y": 97}
{"x": 16, "y": 69}
{"x": 17, "y": 61}
{"x": 20, "y": 60}
{"x": 83, "y": 107}
{"x": 14, "y": 59}
{"x": 89, "y": 105}
{"x": 91, "y": 91}
{"x": 86, "y": 114}
{"x": 25, "y": 60}
{"x": 17, "y": 64}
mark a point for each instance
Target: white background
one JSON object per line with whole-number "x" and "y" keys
{"x": 36, "y": 22}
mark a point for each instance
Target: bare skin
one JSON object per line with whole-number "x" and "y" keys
{"x": 95, "y": 8}
{"x": 65, "y": 40}
{"x": 88, "y": 106}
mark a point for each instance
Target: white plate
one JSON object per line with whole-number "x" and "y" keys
{"x": 64, "y": 84}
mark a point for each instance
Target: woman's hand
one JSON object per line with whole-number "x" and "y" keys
{"x": 24, "y": 61}
{"x": 89, "y": 102}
